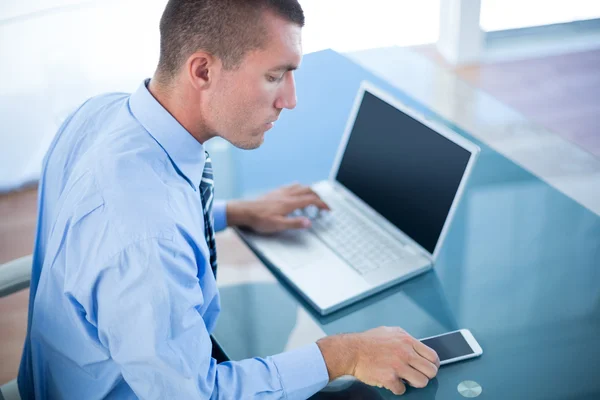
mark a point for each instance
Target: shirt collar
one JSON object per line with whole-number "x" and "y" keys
{"x": 182, "y": 148}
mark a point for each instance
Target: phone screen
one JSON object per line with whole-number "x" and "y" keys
{"x": 449, "y": 346}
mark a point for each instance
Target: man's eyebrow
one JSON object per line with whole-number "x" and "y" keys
{"x": 286, "y": 67}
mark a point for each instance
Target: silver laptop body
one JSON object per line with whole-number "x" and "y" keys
{"x": 393, "y": 189}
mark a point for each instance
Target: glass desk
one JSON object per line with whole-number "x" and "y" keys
{"x": 520, "y": 268}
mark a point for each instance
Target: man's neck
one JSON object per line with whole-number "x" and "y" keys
{"x": 180, "y": 105}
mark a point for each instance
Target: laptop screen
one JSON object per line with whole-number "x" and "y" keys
{"x": 403, "y": 169}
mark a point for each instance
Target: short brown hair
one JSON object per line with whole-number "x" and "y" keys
{"x": 227, "y": 29}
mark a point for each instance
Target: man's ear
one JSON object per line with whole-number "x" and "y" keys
{"x": 202, "y": 67}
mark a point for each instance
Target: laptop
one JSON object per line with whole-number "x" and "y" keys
{"x": 393, "y": 189}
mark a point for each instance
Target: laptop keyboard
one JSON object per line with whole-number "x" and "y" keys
{"x": 361, "y": 245}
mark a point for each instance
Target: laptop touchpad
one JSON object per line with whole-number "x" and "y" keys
{"x": 290, "y": 249}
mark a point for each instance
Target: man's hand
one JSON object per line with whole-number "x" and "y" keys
{"x": 270, "y": 213}
{"x": 383, "y": 357}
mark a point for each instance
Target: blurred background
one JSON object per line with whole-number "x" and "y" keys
{"x": 57, "y": 53}
{"x": 538, "y": 58}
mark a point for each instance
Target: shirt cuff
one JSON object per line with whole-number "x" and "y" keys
{"x": 302, "y": 371}
{"x": 220, "y": 215}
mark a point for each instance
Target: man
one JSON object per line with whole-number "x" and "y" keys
{"x": 123, "y": 295}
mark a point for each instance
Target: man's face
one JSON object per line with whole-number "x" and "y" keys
{"x": 246, "y": 101}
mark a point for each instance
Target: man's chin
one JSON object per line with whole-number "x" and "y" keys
{"x": 254, "y": 143}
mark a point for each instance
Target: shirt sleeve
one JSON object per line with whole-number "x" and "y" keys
{"x": 147, "y": 306}
{"x": 220, "y": 215}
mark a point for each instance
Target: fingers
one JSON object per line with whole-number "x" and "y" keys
{"x": 427, "y": 353}
{"x": 392, "y": 360}
{"x": 298, "y": 189}
{"x": 293, "y": 187}
{"x": 305, "y": 200}
{"x": 304, "y": 196}
{"x": 423, "y": 366}
{"x": 395, "y": 385}
{"x": 413, "y": 376}
{"x": 284, "y": 223}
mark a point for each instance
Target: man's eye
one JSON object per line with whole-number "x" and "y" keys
{"x": 274, "y": 78}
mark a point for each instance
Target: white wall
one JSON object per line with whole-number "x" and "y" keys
{"x": 11, "y": 9}
{"x": 54, "y": 59}
{"x": 510, "y": 14}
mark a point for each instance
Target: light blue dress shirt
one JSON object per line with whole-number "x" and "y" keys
{"x": 123, "y": 299}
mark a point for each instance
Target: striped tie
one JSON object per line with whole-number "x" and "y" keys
{"x": 207, "y": 193}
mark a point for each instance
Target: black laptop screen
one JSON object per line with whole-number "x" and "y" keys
{"x": 403, "y": 169}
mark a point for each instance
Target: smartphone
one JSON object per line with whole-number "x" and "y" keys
{"x": 454, "y": 346}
